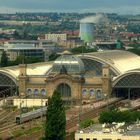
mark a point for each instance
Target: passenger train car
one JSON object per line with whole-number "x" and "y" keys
{"x": 31, "y": 115}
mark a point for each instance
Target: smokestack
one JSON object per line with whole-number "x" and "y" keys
{"x": 87, "y": 28}
{"x": 87, "y": 32}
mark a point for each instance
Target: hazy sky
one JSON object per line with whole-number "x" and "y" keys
{"x": 116, "y": 6}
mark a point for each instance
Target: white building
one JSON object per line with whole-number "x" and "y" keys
{"x": 56, "y": 37}
{"x": 96, "y": 132}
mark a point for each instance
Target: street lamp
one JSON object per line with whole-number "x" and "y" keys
{"x": 129, "y": 97}
{"x": 106, "y": 100}
{"x": 82, "y": 80}
{"x": 43, "y": 91}
{"x": 41, "y": 107}
{"x": 21, "y": 102}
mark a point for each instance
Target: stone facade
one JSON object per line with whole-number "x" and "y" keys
{"x": 81, "y": 87}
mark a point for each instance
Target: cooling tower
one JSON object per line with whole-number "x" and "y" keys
{"x": 87, "y": 32}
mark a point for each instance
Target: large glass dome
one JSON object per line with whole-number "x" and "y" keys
{"x": 68, "y": 63}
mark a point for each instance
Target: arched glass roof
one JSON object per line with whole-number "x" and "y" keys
{"x": 129, "y": 81}
{"x": 5, "y": 80}
{"x": 118, "y": 60}
{"x": 71, "y": 63}
{"x": 94, "y": 68}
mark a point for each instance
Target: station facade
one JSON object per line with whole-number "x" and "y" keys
{"x": 91, "y": 76}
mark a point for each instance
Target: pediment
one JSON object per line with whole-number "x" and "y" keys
{"x": 63, "y": 76}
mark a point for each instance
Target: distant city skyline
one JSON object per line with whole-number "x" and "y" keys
{"x": 106, "y": 6}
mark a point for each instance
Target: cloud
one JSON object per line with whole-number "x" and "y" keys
{"x": 98, "y": 18}
{"x": 72, "y": 5}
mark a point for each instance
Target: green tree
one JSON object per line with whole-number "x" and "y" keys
{"x": 55, "y": 118}
{"x": 118, "y": 116}
{"x": 4, "y": 59}
{"x": 83, "y": 49}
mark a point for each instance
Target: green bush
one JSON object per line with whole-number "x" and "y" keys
{"x": 42, "y": 138}
{"x": 86, "y": 123}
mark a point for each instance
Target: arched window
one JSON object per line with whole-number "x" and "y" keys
{"x": 43, "y": 91}
{"x": 84, "y": 91}
{"x": 98, "y": 94}
{"x": 64, "y": 90}
{"x": 29, "y": 91}
{"x": 91, "y": 92}
{"x": 36, "y": 91}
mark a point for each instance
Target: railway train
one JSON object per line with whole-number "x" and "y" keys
{"x": 31, "y": 115}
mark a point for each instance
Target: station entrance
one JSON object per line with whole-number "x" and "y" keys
{"x": 65, "y": 91}
{"x": 127, "y": 87}
{"x": 8, "y": 86}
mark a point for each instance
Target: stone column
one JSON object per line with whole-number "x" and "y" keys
{"x": 106, "y": 81}
{"x": 22, "y": 79}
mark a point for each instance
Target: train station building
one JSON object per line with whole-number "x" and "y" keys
{"x": 87, "y": 76}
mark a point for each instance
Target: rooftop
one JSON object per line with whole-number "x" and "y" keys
{"x": 39, "y": 69}
{"x": 71, "y": 63}
{"x": 120, "y": 61}
{"x": 126, "y": 130}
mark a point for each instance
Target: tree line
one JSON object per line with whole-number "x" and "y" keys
{"x": 118, "y": 116}
{"x": 19, "y": 60}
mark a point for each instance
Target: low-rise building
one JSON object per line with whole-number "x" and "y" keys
{"x": 20, "y": 49}
{"x": 114, "y": 132}
{"x": 56, "y": 37}
{"x": 13, "y": 53}
{"x": 33, "y": 48}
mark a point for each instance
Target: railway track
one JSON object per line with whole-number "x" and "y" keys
{"x": 93, "y": 113}
{"x": 3, "y": 114}
{"x": 6, "y": 127}
{"x": 9, "y": 124}
{"x": 6, "y": 116}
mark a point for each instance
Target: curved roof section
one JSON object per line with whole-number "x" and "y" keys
{"x": 32, "y": 69}
{"x": 129, "y": 73}
{"x": 121, "y": 61}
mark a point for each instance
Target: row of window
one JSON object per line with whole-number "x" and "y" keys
{"x": 98, "y": 93}
{"x": 96, "y": 139}
{"x": 36, "y": 91}
{"x": 84, "y": 92}
{"x": 88, "y": 139}
{"x": 91, "y": 91}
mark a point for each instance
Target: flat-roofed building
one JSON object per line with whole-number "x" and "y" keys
{"x": 14, "y": 50}
{"x": 96, "y": 132}
{"x": 27, "y": 52}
